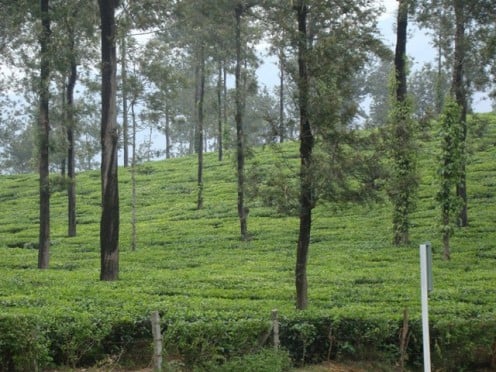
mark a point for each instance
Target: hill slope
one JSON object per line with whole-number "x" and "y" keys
{"x": 209, "y": 286}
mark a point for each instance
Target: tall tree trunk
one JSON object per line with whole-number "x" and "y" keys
{"x": 133, "y": 179}
{"x": 240, "y": 140}
{"x": 109, "y": 224}
{"x": 281, "y": 96}
{"x": 458, "y": 90}
{"x": 219, "y": 112}
{"x": 43, "y": 139}
{"x": 400, "y": 53}
{"x": 200, "y": 96}
{"x": 71, "y": 173}
{"x": 125, "y": 123}
{"x": 402, "y": 136}
{"x": 306, "y": 148}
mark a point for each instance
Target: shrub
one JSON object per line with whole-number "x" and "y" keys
{"x": 23, "y": 344}
{"x": 458, "y": 344}
{"x": 209, "y": 340}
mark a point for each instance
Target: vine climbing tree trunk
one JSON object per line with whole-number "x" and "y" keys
{"x": 458, "y": 90}
{"x": 403, "y": 184}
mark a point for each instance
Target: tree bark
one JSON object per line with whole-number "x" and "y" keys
{"x": 109, "y": 224}
{"x": 43, "y": 139}
{"x": 71, "y": 173}
{"x": 400, "y": 52}
{"x": 240, "y": 140}
{"x": 306, "y": 148}
{"x": 134, "y": 242}
{"x": 125, "y": 123}
{"x": 401, "y": 131}
{"x": 219, "y": 113}
{"x": 200, "y": 96}
{"x": 458, "y": 90}
{"x": 281, "y": 96}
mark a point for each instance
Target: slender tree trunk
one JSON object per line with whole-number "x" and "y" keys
{"x": 439, "y": 86}
{"x": 219, "y": 112}
{"x": 402, "y": 135}
{"x": 167, "y": 134}
{"x": 306, "y": 148}
{"x": 43, "y": 139}
{"x": 200, "y": 96}
{"x": 109, "y": 224}
{"x": 400, "y": 53}
{"x": 125, "y": 124}
{"x": 71, "y": 172}
{"x": 133, "y": 180}
{"x": 281, "y": 96}
{"x": 240, "y": 141}
{"x": 458, "y": 90}
{"x": 224, "y": 97}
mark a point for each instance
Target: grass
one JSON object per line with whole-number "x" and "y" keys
{"x": 190, "y": 264}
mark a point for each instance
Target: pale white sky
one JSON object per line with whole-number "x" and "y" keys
{"x": 391, "y": 7}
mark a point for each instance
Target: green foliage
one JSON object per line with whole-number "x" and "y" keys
{"x": 459, "y": 343}
{"x": 215, "y": 293}
{"x": 202, "y": 341}
{"x": 23, "y": 344}
{"x": 404, "y": 181}
{"x": 275, "y": 185}
{"x": 451, "y": 162}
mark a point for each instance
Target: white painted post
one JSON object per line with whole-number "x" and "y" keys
{"x": 424, "y": 284}
{"x": 157, "y": 342}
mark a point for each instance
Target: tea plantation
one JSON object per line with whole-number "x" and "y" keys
{"x": 215, "y": 293}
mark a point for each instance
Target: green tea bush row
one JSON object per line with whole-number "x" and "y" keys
{"x": 24, "y": 345}
{"x": 30, "y": 343}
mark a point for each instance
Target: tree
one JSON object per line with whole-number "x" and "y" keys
{"x": 424, "y": 86}
{"x": 458, "y": 90}
{"x": 329, "y": 51}
{"x": 436, "y": 17}
{"x": 466, "y": 33}
{"x": 404, "y": 181}
{"x": 307, "y": 201}
{"x": 75, "y": 35}
{"x": 43, "y": 138}
{"x": 240, "y": 136}
{"x": 199, "y": 101}
{"x": 240, "y": 9}
{"x": 109, "y": 224}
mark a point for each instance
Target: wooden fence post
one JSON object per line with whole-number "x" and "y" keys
{"x": 404, "y": 337}
{"x": 157, "y": 341}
